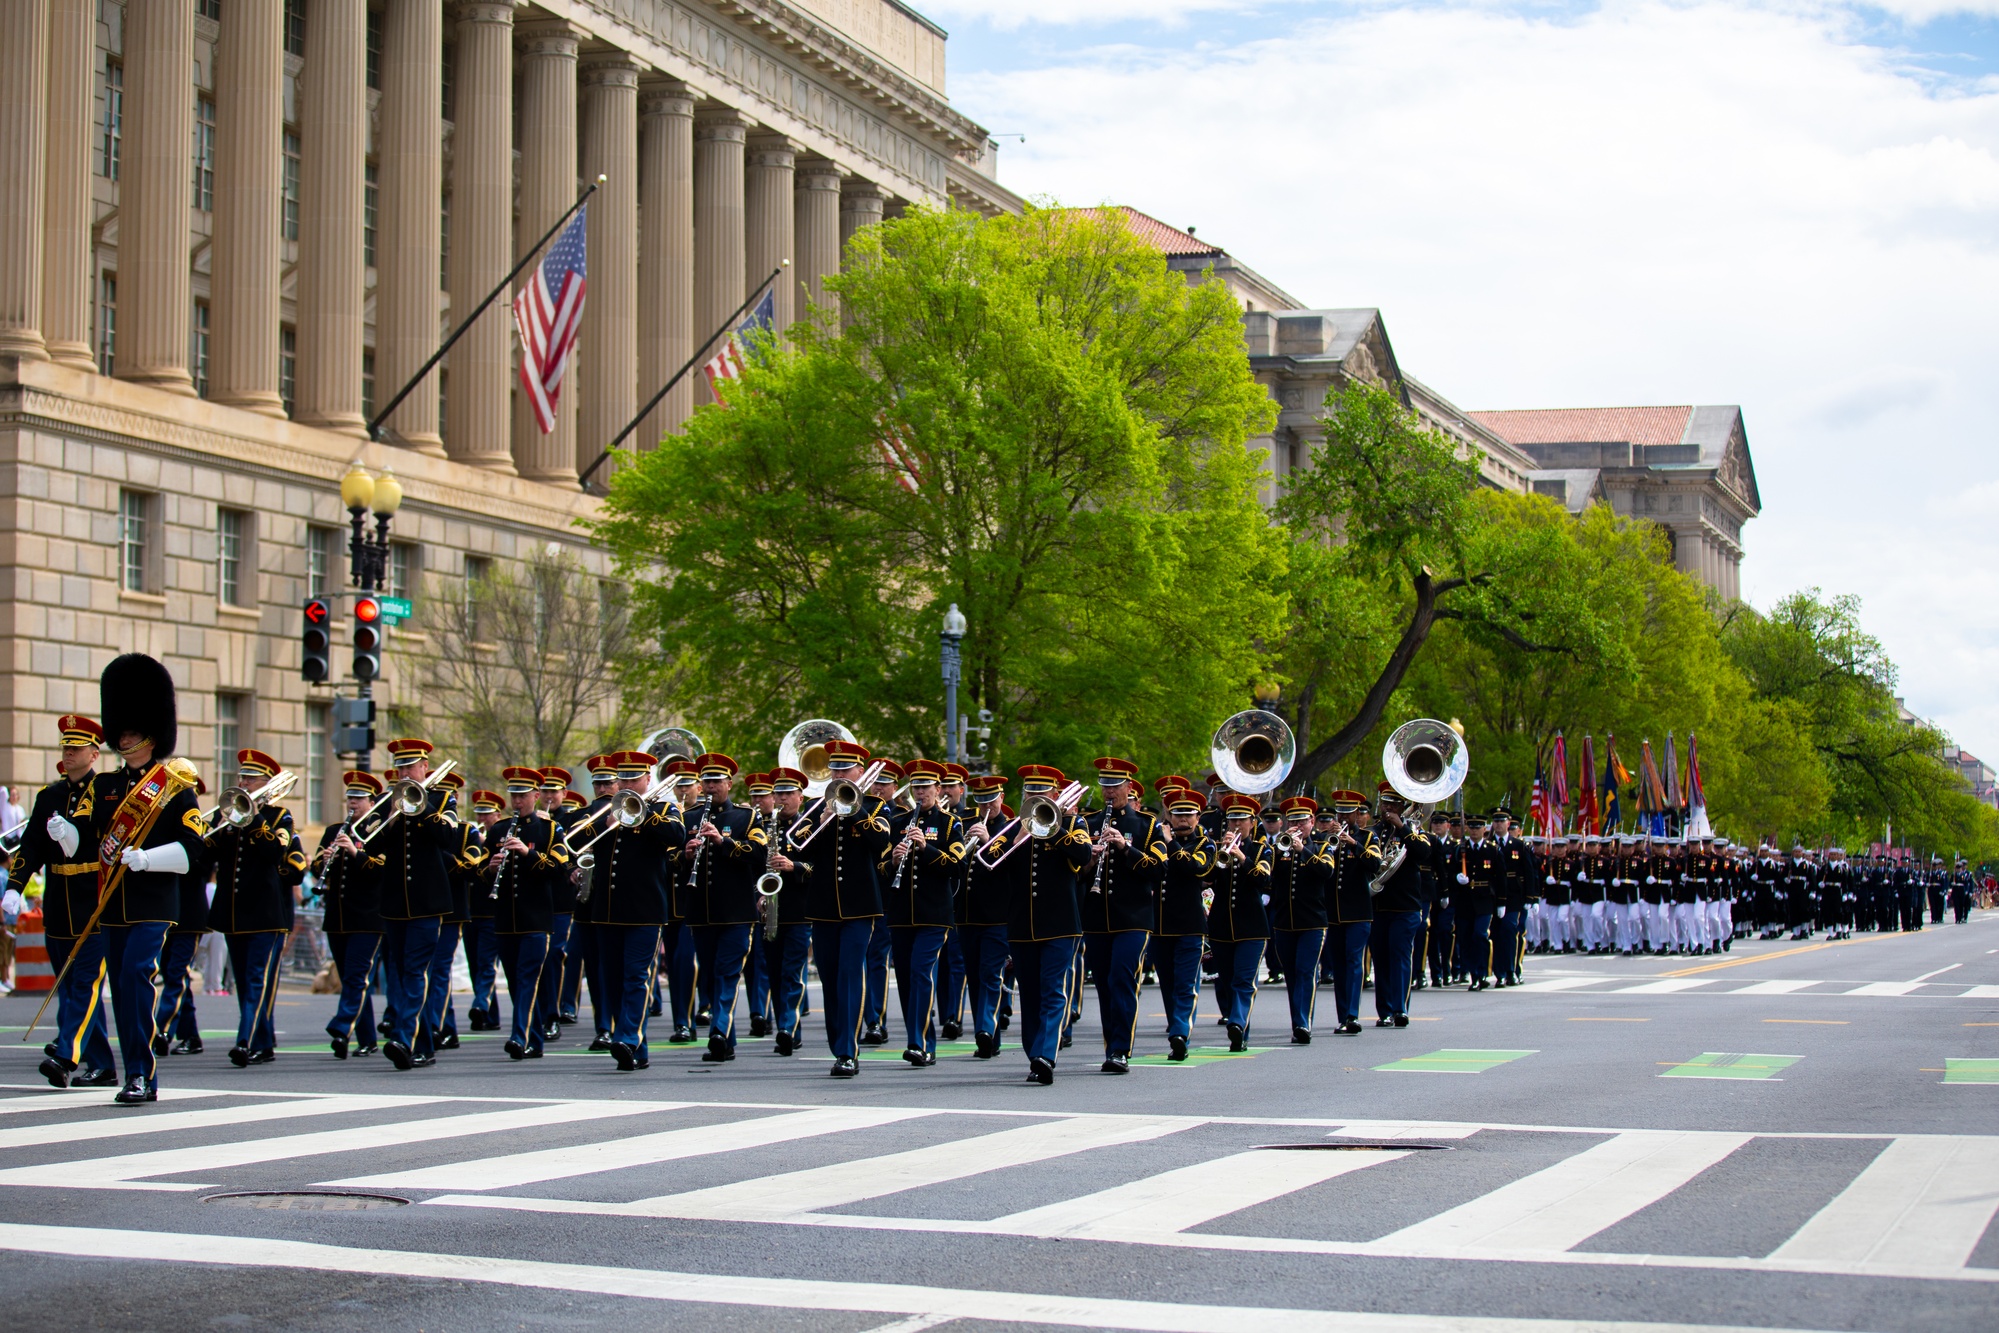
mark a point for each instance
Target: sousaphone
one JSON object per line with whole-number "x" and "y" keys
{"x": 804, "y": 748}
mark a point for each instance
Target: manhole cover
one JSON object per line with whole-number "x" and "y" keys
{"x": 316, "y": 1201}
{"x": 1397, "y": 1145}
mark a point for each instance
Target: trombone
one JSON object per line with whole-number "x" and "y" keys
{"x": 406, "y": 797}
{"x": 627, "y": 810}
{"x": 843, "y": 797}
{"x": 237, "y": 807}
{"x": 1040, "y": 815}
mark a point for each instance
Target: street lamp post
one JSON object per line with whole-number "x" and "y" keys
{"x": 368, "y": 556}
{"x": 953, "y": 635}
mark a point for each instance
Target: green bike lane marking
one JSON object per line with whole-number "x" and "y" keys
{"x": 1200, "y": 1055}
{"x": 1731, "y": 1065}
{"x": 1963, "y": 1069}
{"x": 1452, "y": 1061}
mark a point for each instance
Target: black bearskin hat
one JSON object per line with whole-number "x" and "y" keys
{"x": 136, "y": 693}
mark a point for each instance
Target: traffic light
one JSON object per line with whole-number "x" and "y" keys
{"x": 367, "y": 638}
{"x": 315, "y": 659}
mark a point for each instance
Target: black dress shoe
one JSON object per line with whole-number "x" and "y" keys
{"x": 627, "y": 1058}
{"x": 1238, "y": 1039}
{"x": 399, "y": 1054}
{"x": 188, "y": 1046}
{"x": 1040, "y": 1071}
{"x": 785, "y": 1046}
{"x": 263, "y": 1057}
{"x": 87, "y": 1077}
{"x": 56, "y": 1071}
{"x": 1480, "y": 984}
{"x": 1117, "y": 1064}
{"x": 135, "y": 1093}
{"x": 1382, "y": 1023}
{"x": 1402, "y": 1020}
{"x": 514, "y": 1050}
{"x": 703, "y": 1018}
{"x": 49, "y": 1050}
{"x": 448, "y": 1042}
{"x": 422, "y": 1061}
{"x": 566, "y": 1018}
{"x": 1301, "y": 1036}
{"x": 655, "y": 1009}
{"x": 601, "y": 1042}
{"x": 846, "y": 1067}
{"x": 952, "y": 1031}
{"x": 681, "y": 1036}
{"x": 1176, "y": 1048}
{"x": 553, "y": 1032}
{"x": 875, "y": 1036}
{"x": 365, "y": 1048}
{"x": 339, "y": 1045}
{"x": 759, "y": 1027}
{"x": 718, "y": 1052}
{"x": 160, "y": 1044}
{"x": 1068, "y": 1040}
{"x": 920, "y": 1059}
{"x": 985, "y": 1045}
{"x": 1350, "y": 1028}
{"x": 1005, "y": 1018}
{"x": 239, "y": 1056}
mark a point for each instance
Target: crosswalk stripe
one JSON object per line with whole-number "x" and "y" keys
{"x": 1773, "y": 988}
{"x": 124, "y": 1124}
{"x": 128, "y": 1171}
{"x": 1925, "y": 1201}
{"x": 45, "y": 1097}
{"x": 1561, "y": 983}
{"x": 1884, "y": 988}
{"x": 1172, "y": 1201}
{"x": 532, "y": 1168}
{"x": 1981, "y": 993}
{"x": 1669, "y": 986}
{"x": 1564, "y": 1205}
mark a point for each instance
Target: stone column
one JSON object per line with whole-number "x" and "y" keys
{"x": 333, "y": 146}
{"x": 816, "y": 231}
{"x": 66, "y": 210}
{"x": 155, "y": 310}
{"x": 609, "y": 383}
{"x": 666, "y": 254}
{"x": 24, "y": 72}
{"x": 767, "y": 225}
{"x": 410, "y": 167}
{"x": 718, "y": 223}
{"x": 249, "y": 181}
{"x": 548, "y": 187}
{"x": 482, "y": 234}
{"x": 861, "y": 204}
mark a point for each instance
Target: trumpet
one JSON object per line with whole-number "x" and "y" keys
{"x": 238, "y": 808}
{"x": 405, "y": 797}
{"x": 1040, "y": 816}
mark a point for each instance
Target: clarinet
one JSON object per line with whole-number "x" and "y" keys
{"x": 701, "y": 845}
{"x": 499, "y": 863}
{"x": 1104, "y": 849}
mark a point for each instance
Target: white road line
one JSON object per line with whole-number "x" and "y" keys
{"x": 916, "y": 1323}
{"x": 1883, "y": 988}
{"x": 1670, "y": 986}
{"x": 942, "y": 1303}
{"x": 46, "y": 1096}
{"x": 1563, "y": 1206}
{"x": 1922, "y": 1201}
{"x": 1562, "y": 983}
{"x": 1175, "y": 1200}
{"x": 1772, "y": 988}
{"x": 128, "y": 1172}
{"x": 125, "y": 1123}
{"x": 1981, "y": 993}
{"x": 1939, "y": 972}
{"x": 1404, "y": 1129}
{"x": 532, "y": 1168}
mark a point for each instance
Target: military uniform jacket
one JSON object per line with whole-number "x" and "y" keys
{"x": 467, "y": 883}
{"x": 350, "y": 887}
{"x": 791, "y": 897}
{"x": 1621, "y": 886}
{"x": 154, "y": 896}
{"x": 930, "y": 873}
{"x": 1592, "y": 873}
{"x": 1126, "y": 882}
{"x": 843, "y": 861}
{"x": 1480, "y": 862}
{"x": 984, "y": 901}
{"x": 417, "y": 856}
{"x": 522, "y": 885}
{"x": 721, "y": 880}
{"x": 584, "y": 906}
{"x": 1183, "y": 888}
{"x": 1404, "y": 890}
{"x": 1041, "y": 885}
{"x": 69, "y": 888}
{"x": 629, "y": 882}
{"x": 256, "y": 869}
{"x": 1298, "y": 882}
{"x": 1523, "y": 877}
{"x": 1237, "y": 911}
{"x": 1556, "y": 873}
{"x": 562, "y": 888}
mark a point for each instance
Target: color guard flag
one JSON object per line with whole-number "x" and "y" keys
{"x": 1697, "y": 823}
{"x": 548, "y": 312}
{"x": 727, "y": 363}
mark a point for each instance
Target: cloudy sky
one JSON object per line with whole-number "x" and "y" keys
{"x": 1790, "y": 206}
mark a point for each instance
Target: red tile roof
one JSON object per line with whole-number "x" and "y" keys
{"x": 1578, "y": 425}
{"x": 1167, "y": 240}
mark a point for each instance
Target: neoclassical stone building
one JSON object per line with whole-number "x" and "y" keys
{"x": 231, "y": 228}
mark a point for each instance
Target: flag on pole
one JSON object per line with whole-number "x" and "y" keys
{"x": 1558, "y": 794}
{"x": 1696, "y": 793}
{"x": 1537, "y": 803}
{"x": 1673, "y": 804}
{"x": 1586, "y": 808}
{"x": 1651, "y": 792}
{"x": 1615, "y": 776}
{"x": 728, "y": 363}
{"x": 899, "y": 455}
{"x": 548, "y": 312}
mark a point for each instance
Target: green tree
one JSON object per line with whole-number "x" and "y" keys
{"x": 1071, "y": 420}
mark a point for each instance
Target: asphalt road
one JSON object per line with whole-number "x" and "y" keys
{"x": 1781, "y": 1137}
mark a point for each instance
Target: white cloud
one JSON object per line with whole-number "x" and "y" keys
{"x": 1646, "y": 203}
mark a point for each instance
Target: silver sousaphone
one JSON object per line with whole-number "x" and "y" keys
{"x": 1253, "y": 752}
{"x": 1426, "y": 761}
{"x": 804, "y": 748}
{"x": 668, "y": 744}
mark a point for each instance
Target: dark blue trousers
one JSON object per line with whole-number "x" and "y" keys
{"x": 951, "y": 978}
{"x": 628, "y": 959}
{"x": 132, "y": 959}
{"x": 524, "y": 958}
{"x": 440, "y": 1017}
{"x": 354, "y": 954}
{"x": 1046, "y": 971}
{"x": 1506, "y": 943}
{"x": 552, "y": 970}
{"x": 875, "y": 1010}
{"x": 1441, "y": 939}
{"x": 579, "y": 964}
{"x": 1116, "y": 959}
{"x": 785, "y": 960}
{"x": 840, "y": 950}
{"x": 720, "y": 952}
{"x": 1474, "y": 945}
{"x": 81, "y": 1034}
{"x": 482, "y": 960}
{"x": 1235, "y": 978}
{"x": 1176, "y": 962}
{"x": 1298, "y": 953}
{"x": 1348, "y": 945}
{"x": 253, "y": 957}
{"x": 1394, "y": 945}
{"x": 680, "y": 973}
{"x": 914, "y": 951}
{"x": 756, "y": 975}
{"x": 407, "y": 950}
{"x": 173, "y": 1014}
{"x": 984, "y": 948}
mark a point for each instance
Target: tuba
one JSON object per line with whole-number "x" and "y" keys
{"x": 669, "y": 743}
{"x": 1426, "y": 761}
{"x": 1253, "y": 752}
{"x": 804, "y": 748}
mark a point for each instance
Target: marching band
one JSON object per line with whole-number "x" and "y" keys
{"x": 832, "y": 865}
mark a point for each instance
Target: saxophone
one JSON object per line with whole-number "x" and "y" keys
{"x": 770, "y": 883}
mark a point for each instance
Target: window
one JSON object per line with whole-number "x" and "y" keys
{"x": 107, "y": 322}
{"x": 204, "y": 154}
{"x": 371, "y": 198}
{"x": 289, "y": 213}
{"x": 230, "y": 715}
{"x": 321, "y": 804}
{"x": 368, "y": 385}
{"x": 450, "y": 78}
{"x": 402, "y": 568}
{"x": 610, "y": 615}
{"x": 113, "y": 129}
{"x": 197, "y": 350}
{"x": 134, "y": 532}
{"x": 295, "y": 27}
{"x": 375, "y": 48}
{"x": 444, "y": 244}
{"x": 288, "y": 368}
{"x": 319, "y": 560}
{"x": 477, "y": 568}
{"x": 209, "y": 9}
{"x": 232, "y": 546}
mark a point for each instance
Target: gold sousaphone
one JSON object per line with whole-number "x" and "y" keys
{"x": 804, "y": 748}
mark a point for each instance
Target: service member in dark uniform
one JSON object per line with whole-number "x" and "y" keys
{"x": 1478, "y": 880}
{"x": 918, "y": 905}
{"x": 1442, "y": 942}
{"x": 720, "y": 862}
{"x": 630, "y": 879}
{"x": 258, "y": 868}
{"x": 1120, "y": 905}
{"x": 467, "y": 856}
{"x": 1044, "y": 927}
{"x": 951, "y": 970}
{"x": 841, "y": 855}
{"x": 524, "y": 858}
{"x": 351, "y": 891}
{"x": 482, "y": 944}
{"x": 588, "y": 970}
{"x": 982, "y": 916}
{"x": 786, "y": 954}
{"x": 1518, "y": 887}
{"x": 562, "y": 891}
{"x": 1301, "y": 867}
{"x": 417, "y": 852}
{"x": 756, "y": 977}
{"x": 874, "y": 1005}
{"x": 1183, "y": 913}
{"x": 1398, "y": 908}
{"x": 1238, "y": 928}
{"x": 174, "y": 1016}
{"x": 60, "y": 840}
{"x": 1350, "y": 906}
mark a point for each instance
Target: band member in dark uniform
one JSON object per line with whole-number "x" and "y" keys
{"x": 630, "y": 876}
{"x": 603, "y": 769}
{"x": 1044, "y": 926}
{"x": 874, "y": 1005}
{"x": 716, "y": 865}
{"x": 482, "y": 945}
{"x": 462, "y": 871}
{"x": 1478, "y": 880}
{"x": 1238, "y": 928}
{"x": 523, "y": 858}
{"x": 554, "y": 784}
{"x": 982, "y": 916}
{"x": 350, "y": 887}
{"x": 842, "y": 855}
{"x": 258, "y": 867}
{"x": 926, "y": 863}
{"x": 1183, "y": 913}
{"x": 786, "y": 953}
{"x": 756, "y": 976}
{"x": 1120, "y": 905}
{"x": 60, "y": 839}
{"x": 951, "y": 968}
{"x": 1397, "y": 909}
{"x": 1301, "y": 869}
{"x": 416, "y": 893}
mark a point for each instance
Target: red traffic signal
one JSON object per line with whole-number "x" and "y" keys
{"x": 367, "y": 638}
{"x": 315, "y": 662}
{"x": 367, "y": 610}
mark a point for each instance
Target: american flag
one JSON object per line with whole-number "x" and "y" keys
{"x": 548, "y": 312}
{"x": 1558, "y": 788}
{"x": 899, "y": 455}
{"x": 727, "y": 363}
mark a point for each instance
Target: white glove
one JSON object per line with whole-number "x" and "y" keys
{"x": 12, "y": 903}
{"x": 1551, "y": 879}
{"x": 135, "y": 859}
{"x": 1463, "y": 878}
{"x": 170, "y": 859}
{"x": 65, "y": 835}
{"x": 1502, "y": 911}
{"x": 1650, "y": 880}
{"x": 1266, "y": 900}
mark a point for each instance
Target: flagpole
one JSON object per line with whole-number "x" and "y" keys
{"x": 375, "y": 426}
{"x": 692, "y": 361}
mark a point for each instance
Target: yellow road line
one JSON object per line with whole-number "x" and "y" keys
{"x": 1610, "y": 1020}
{"x": 1820, "y": 1022}
{"x": 1760, "y": 957}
